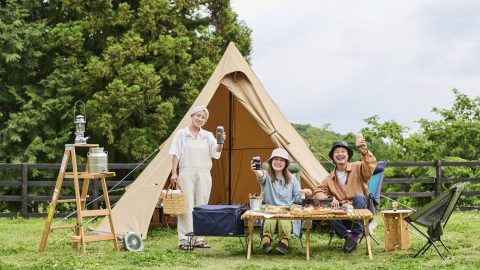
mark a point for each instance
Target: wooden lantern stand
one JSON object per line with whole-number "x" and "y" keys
{"x": 80, "y": 201}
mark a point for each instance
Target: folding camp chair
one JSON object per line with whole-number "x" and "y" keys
{"x": 434, "y": 216}
{"x": 373, "y": 199}
{"x": 374, "y": 192}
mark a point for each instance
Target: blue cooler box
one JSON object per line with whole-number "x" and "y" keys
{"x": 218, "y": 220}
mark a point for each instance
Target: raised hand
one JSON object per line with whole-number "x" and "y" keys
{"x": 361, "y": 144}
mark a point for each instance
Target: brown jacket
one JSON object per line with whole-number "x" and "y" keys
{"x": 358, "y": 175}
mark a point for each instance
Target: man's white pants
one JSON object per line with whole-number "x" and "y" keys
{"x": 196, "y": 183}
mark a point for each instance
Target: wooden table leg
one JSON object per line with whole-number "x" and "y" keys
{"x": 307, "y": 238}
{"x": 367, "y": 238}
{"x": 250, "y": 236}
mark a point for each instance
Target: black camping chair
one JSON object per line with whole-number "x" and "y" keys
{"x": 374, "y": 194}
{"x": 434, "y": 216}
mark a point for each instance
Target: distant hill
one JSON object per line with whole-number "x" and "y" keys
{"x": 319, "y": 138}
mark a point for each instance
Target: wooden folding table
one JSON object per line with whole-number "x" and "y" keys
{"x": 357, "y": 214}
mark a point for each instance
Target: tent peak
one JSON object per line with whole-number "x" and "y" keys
{"x": 232, "y": 49}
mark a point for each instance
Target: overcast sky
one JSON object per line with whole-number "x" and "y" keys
{"x": 339, "y": 62}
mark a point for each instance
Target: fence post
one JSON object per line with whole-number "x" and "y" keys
{"x": 24, "y": 190}
{"x": 438, "y": 178}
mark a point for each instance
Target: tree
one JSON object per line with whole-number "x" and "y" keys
{"x": 138, "y": 65}
{"x": 22, "y": 106}
{"x": 320, "y": 139}
{"x": 386, "y": 140}
{"x": 454, "y": 137}
{"x": 457, "y": 133}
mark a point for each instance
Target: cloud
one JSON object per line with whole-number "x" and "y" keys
{"x": 341, "y": 62}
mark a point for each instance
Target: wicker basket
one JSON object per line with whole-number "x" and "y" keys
{"x": 174, "y": 201}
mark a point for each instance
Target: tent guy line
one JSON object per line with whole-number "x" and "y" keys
{"x": 112, "y": 189}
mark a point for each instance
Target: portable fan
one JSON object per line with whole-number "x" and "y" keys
{"x": 132, "y": 242}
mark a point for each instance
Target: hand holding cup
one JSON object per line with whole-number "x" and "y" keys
{"x": 256, "y": 164}
{"x": 361, "y": 143}
{"x": 220, "y": 135}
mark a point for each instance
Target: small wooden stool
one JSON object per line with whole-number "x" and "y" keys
{"x": 396, "y": 229}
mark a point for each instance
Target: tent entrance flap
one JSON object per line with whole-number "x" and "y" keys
{"x": 231, "y": 175}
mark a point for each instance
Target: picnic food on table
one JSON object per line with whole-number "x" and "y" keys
{"x": 339, "y": 211}
{"x": 302, "y": 211}
{"x": 276, "y": 209}
{"x": 317, "y": 211}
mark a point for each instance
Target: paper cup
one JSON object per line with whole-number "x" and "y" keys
{"x": 255, "y": 204}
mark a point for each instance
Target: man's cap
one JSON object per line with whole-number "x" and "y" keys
{"x": 341, "y": 144}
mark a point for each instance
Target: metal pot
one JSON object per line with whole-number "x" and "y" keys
{"x": 98, "y": 160}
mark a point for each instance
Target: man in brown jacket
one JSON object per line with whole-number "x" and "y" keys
{"x": 348, "y": 184}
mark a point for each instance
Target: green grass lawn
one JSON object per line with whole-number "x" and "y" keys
{"x": 19, "y": 240}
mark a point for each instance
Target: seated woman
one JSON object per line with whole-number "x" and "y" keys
{"x": 279, "y": 187}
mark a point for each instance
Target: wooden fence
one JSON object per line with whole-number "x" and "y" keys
{"x": 25, "y": 197}
{"x": 122, "y": 169}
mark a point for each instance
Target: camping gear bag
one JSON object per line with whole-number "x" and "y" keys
{"x": 174, "y": 200}
{"x": 218, "y": 220}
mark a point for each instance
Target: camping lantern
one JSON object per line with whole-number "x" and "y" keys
{"x": 80, "y": 122}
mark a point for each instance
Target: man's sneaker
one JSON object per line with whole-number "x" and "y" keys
{"x": 267, "y": 248}
{"x": 350, "y": 244}
{"x": 282, "y": 248}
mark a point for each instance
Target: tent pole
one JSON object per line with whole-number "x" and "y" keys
{"x": 230, "y": 144}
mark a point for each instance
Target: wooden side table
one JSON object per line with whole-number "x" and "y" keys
{"x": 396, "y": 229}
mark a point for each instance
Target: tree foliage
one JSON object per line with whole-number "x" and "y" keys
{"x": 455, "y": 134}
{"x": 138, "y": 65}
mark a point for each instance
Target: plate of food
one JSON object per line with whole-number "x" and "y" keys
{"x": 308, "y": 211}
{"x": 339, "y": 211}
{"x": 322, "y": 211}
{"x": 301, "y": 211}
{"x": 276, "y": 209}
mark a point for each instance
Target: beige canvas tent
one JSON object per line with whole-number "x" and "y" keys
{"x": 254, "y": 125}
